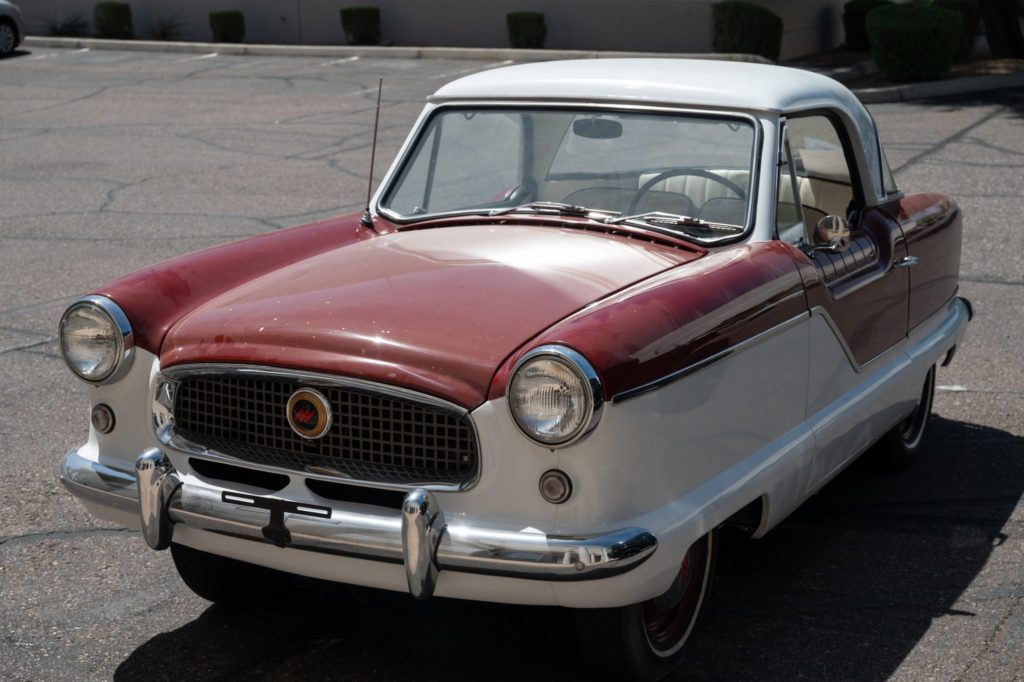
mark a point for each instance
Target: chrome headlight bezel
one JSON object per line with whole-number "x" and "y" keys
{"x": 120, "y": 332}
{"x": 591, "y": 393}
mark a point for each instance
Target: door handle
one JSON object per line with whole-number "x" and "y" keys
{"x": 905, "y": 262}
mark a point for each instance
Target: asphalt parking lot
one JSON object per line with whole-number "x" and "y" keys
{"x": 113, "y": 160}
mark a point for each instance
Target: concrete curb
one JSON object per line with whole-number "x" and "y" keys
{"x": 894, "y": 93}
{"x": 954, "y": 86}
{"x": 369, "y": 51}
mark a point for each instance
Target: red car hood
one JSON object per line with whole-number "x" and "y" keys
{"x": 433, "y": 310}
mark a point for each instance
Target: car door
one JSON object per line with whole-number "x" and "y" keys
{"x": 857, "y": 297}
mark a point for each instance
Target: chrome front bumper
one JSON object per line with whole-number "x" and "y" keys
{"x": 418, "y": 536}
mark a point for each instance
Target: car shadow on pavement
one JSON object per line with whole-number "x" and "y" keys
{"x": 844, "y": 589}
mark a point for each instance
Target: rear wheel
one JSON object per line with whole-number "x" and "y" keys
{"x": 648, "y": 641}
{"x": 901, "y": 443}
{"x": 226, "y": 581}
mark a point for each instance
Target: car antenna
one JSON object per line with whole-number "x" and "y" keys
{"x": 367, "y": 219}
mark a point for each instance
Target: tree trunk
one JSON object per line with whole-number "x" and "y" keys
{"x": 1002, "y": 28}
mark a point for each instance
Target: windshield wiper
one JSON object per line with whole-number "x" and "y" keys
{"x": 554, "y": 208}
{"x": 659, "y": 219}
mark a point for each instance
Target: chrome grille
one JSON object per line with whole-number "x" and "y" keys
{"x": 374, "y": 436}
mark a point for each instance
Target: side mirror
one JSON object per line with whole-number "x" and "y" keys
{"x": 832, "y": 234}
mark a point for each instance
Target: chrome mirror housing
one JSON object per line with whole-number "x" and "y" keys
{"x": 832, "y": 234}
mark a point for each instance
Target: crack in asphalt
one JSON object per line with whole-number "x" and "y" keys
{"x": 74, "y": 532}
{"x": 32, "y": 307}
{"x": 28, "y": 345}
{"x": 76, "y": 100}
{"x": 942, "y": 144}
{"x": 993, "y": 280}
{"x": 991, "y": 637}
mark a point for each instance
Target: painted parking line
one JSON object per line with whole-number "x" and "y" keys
{"x": 197, "y": 58}
{"x": 340, "y": 61}
{"x": 474, "y": 69}
{"x": 56, "y": 54}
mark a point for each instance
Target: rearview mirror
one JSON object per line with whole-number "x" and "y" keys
{"x": 597, "y": 128}
{"x": 832, "y": 234}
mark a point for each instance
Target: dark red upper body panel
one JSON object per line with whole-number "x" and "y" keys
{"x": 154, "y": 298}
{"x": 671, "y": 321}
{"x": 434, "y": 310}
{"x": 933, "y": 225}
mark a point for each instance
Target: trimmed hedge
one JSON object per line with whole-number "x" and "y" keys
{"x": 854, "y": 14}
{"x": 970, "y": 13}
{"x": 526, "y": 29}
{"x": 738, "y": 26}
{"x": 913, "y": 42}
{"x": 227, "y": 26}
{"x": 113, "y": 20}
{"x": 361, "y": 25}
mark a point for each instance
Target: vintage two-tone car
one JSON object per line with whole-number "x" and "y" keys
{"x": 596, "y": 310}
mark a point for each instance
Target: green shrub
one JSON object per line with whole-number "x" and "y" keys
{"x": 854, "y": 14}
{"x": 526, "y": 29}
{"x": 738, "y": 26}
{"x": 970, "y": 13}
{"x": 168, "y": 28}
{"x": 361, "y": 25}
{"x": 914, "y": 42}
{"x": 227, "y": 27}
{"x": 113, "y": 20}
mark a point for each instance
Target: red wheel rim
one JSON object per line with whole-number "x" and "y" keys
{"x": 668, "y": 619}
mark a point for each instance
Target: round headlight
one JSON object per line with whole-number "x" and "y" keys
{"x": 95, "y": 339}
{"x": 555, "y": 395}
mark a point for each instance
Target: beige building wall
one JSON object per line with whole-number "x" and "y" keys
{"x": 639, "y": 25}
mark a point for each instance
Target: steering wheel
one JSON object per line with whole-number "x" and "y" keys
{"x": 674, "y": 172}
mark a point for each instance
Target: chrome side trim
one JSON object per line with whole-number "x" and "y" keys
{"x": 818, "y": 311}
{"x": 858, "y": 367}
{"x": 163, "y": 420}
{"x": 417, "y": 536}
{"x": 711, "y": 359}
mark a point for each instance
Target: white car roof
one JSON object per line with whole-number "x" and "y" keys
{"x": 698, "y": 83}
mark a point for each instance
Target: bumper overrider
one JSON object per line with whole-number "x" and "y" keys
{"x": 417, "y": 536}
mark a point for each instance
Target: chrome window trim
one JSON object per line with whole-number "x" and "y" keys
{"x": 582, "y": 368}
{"x": 125, "y": 343}
{"x": 395, "y": 171}
{"x": 166, "y": 383}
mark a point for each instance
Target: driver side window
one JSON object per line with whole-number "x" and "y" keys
{"x": 815, "y": 179}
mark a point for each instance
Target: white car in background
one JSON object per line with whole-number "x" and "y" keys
{"x": 12, "y": 29}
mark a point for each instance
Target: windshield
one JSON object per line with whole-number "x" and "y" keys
{"x": 486, "y": 160}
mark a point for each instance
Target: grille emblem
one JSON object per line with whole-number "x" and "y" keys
{"x": 309, "y": 413}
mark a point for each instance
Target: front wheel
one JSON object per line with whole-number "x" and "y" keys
{"x": 228, "y": 582}
{"x": 647, "y": 641}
